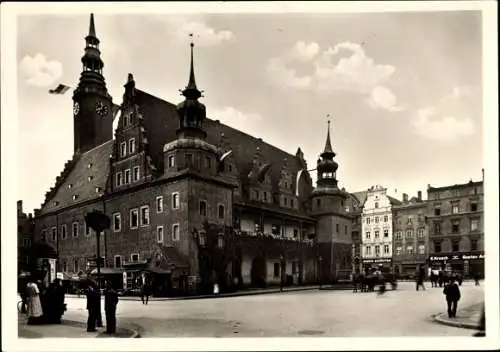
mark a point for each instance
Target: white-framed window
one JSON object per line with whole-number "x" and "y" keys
{"x": 376, "y": 204}
{"x": 118, "y": 261}
{"x": 117, "y": 222}
{"x": 171, "y": 160}
{"x": 64, "y": 231}
{"x": 420, "y": 232}
{"x": 203, "y": 207}
{"x": 376, "y": 219}
{"x": 53, "y": 232}
{"x": 398, "y": 250}
{"x": 367, "y": 220}
{"x": 159, "y": 204}
{"x": 386, "y": 218}
{"x": 134, "y": 218}
{"x": 145, "y": 215}
{"x": 367, "y": 235}
{"x": 74, "y": 229}
{"x": 136, "y": 173}
{"x": 175, "y": 200}
{"x": 119, "y": 178}
{"x": 131, "y": 145}
{"x": 474, "y": 224}
{"x": 123, "y": 149}
{"x": 386, "y": 233}
{"x": 88, "y": 229}
{"x": 454, "y": 208}
{"x": 176, "y": 232}
{"x": 421, "y": 249}
{"x": 127, "y": 176}
{"x": 134, "y": 257}
{"x": 386, "y": 249}
{"x": 220, "y": 241}
{"x": 202, "y": 237}
{"x": 377, "y": 250}
{"x": 409, "y": 250}
{"x": 377, "y": 234}
{"x": 410, "y": 220}
{"x": 368, "y": 250}
{"x": 409, "y": 233}
{"x": 399, "y": 235}
{"x": 221, "y": 212}
{"x": 159, "y": 234}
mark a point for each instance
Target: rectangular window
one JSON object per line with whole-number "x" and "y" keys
{"x": 409, "y": 250}
{"x": 285, "y": 200}
{"x": 175, "y": 232}
{"x": 337, "y": 227}
{"x": 276, "y": 269}
{"x": 221, "y": 212}
{"x": 203, "y": 236}
{"x": 127, "y": 176}
{"x": 175, "y": 200}
{"x": 437, "y": 246}
{"x": 386, "y": 249}
{"x": 437, "y": 228}
{"x": 345, "y": 229}
{"x": 171, "y": 161}
{"x": 43, "y": 235}
{"x": 399, "y": 234}
{"x": 88, "y": 229}
{"x": 134, "y": 218}
{"x": 54, "y": 234}
{"x": 410, "y": 220}
{"x": 117, "y": 222}
{"x": 377, "y": 250}
{"x": 119, "y": 178}
{"x": 368, "y": 250}
{"x": 145, "y": 215}
{"x": 134, "y": 257}
{"x": 265, "y": 196}
{"x": 474, "y": 224}
{"x": 118, "y": 261}
{"x": 74, "y": 231}
{"x": 377, "y": 234}
{"x": 376, "y": 219}
{"x": 368, "y": 235}
{"x": 386, "y": 218}
{"x": 454, "y": 208}
{"x": 367, "y": 220}
{"x": 473, "y": 245}
{"x": 386, "y": 233}
{"x": 159, "y": 204}
{"x": 421, "y": 232}
{"x": 421, "y": 249}
{"x": 409, "y": 233}
{"x": 473, "y": 206}
{"x": 220, "y": 241}
{"x": 136, "y": 174}
{"x": 64, "y": 231}
{"x": 455, "y": 226}
{"x": 208, "y": 162}
{"x": 203, "y": 208}
{"x": 76, "y": 266}
{"x": 131, "y": 146}
{"x": 292, "y": 203}
{"x": 159, "y": 234}
{"x": 123, "y": 149}
{"x": 398, "y": 250}
{"x": 455, "y": 246}
{"x": 437, "y": 210}
{"x": 189, "y": 160}
{"x": 130, "y": 119}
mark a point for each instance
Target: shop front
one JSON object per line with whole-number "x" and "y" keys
{"x": 468, "y": 263}
{"x": 376, "y": 263}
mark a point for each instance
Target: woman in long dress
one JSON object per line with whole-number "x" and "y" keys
{"x": 35, "y": 311}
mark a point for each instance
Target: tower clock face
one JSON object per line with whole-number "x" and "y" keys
{"x": 76, "y": 108}
{"x": 101, "y": 109}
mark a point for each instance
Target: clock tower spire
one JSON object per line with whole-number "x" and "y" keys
{"x": 92, "y": 104}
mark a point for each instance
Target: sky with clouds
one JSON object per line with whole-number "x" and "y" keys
{"x": 403, "y": 90}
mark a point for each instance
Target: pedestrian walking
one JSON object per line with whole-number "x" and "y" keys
{"x": 35, "y": 312}
{"x": 145, "y": 293}
{"x": 110, "y": 302}
{"x": 476, "y": 279}
{"x": 420, "y": 278}
{"x": 452, "y": 294}
{"x": 93, "y": 305}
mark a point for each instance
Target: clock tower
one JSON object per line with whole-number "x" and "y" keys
{"x": 92, "y": 105}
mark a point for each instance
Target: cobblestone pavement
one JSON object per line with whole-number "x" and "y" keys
{"x": 404, "y": 312}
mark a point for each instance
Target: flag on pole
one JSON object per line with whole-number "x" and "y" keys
{"x": 60, "y": 89}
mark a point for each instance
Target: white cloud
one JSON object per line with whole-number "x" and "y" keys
{"x": 383, "y": 98}
{"x": 446, "y": 128}
{"x": 180, "y": 28}
{"x": 244, "y": 121}
{"x": 37, "y": 71}
{"x": 355, "y": 72}
{"x": 458, "y": 93}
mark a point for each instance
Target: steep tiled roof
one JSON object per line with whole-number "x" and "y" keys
{"x": 361, "y": 197}
{"x": 86, "y": 180}
{"x": 394, "y": 201}
{"x": 161, "y": 123}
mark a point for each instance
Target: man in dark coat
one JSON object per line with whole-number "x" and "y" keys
{"x": 420, "y": 277}
{"x": 110, "y": 302}
{"x": 145, "y": 292}
{"x": 93, "y": 305}
{"x": 452, "y": 293}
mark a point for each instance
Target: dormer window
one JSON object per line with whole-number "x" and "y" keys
{"x": 97, "y": 189}
{"x": 70, "y": 186}
{"x": 90, "y": 178}
{"x": 89, "y": 165}
{"x": 56, "y": 203}
{"x": 75, "y": 196}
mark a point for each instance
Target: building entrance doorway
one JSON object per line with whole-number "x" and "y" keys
{"x": 258, "y": 272}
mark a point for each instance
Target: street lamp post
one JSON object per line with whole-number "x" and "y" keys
{"x": 320, "y": 259}
{"x": 282, "y": 261}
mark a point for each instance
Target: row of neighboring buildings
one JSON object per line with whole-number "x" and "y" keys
{"x": 443, "y": 232}
{"x": 193, "y": 201}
